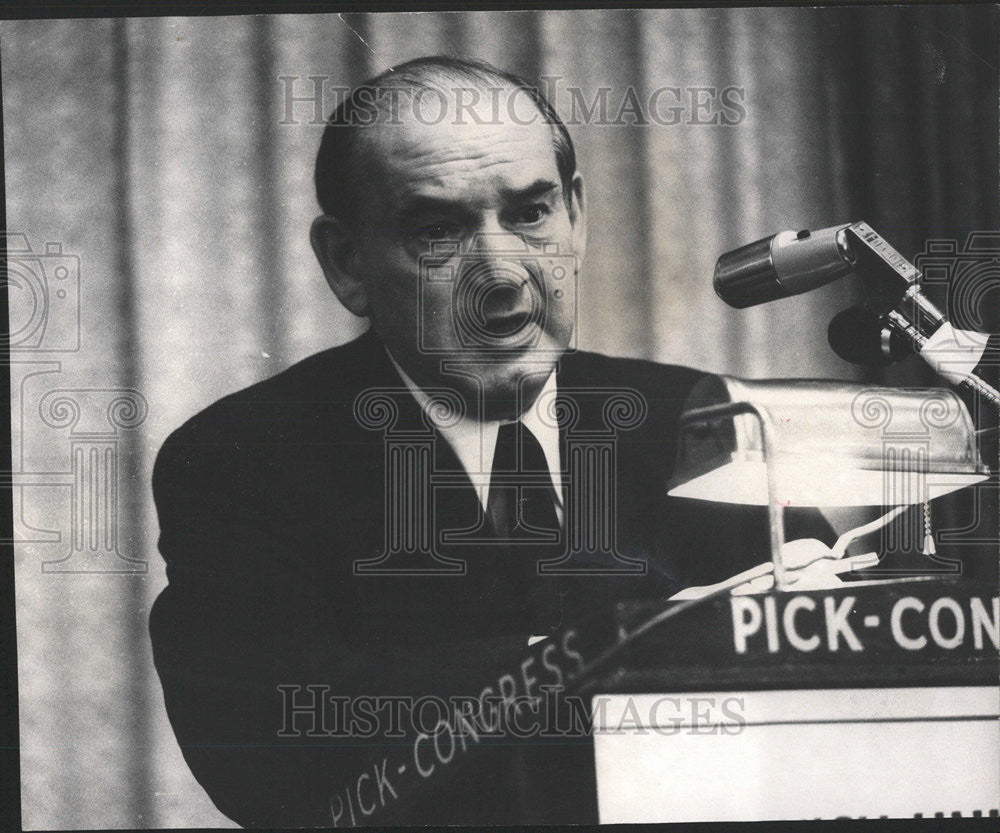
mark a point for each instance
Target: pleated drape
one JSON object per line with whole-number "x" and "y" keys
{"x": 167, "y": 156}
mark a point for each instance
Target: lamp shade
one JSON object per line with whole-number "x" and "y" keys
{"x": 830, "y": 443}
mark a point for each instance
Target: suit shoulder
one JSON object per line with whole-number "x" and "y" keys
{"x": 662, "y": 385}
{"x": 328, "y": 376}
{"x": 263, "y": 415}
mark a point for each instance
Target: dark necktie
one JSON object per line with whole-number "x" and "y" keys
{"x": 521, "y": 504}
{"x": 522, "y": 515}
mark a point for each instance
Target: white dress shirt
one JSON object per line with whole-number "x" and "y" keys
{"x": 474, "y": 442}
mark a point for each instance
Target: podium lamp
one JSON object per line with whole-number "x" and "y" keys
{"x": 796, "y": 442}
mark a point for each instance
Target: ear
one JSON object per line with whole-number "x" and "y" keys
{"x": 578, "y": 216}
{"x": 336, "y": 249}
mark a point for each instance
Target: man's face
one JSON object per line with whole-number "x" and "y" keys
{"x": 466, "y": 252}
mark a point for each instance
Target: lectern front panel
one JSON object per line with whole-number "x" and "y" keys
{"x": 798, "y": 754}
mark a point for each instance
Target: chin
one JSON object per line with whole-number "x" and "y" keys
{"x": 506, "y": 384}
{"x": 509, "y": 390}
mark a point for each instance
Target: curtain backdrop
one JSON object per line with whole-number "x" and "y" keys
{"x": 162, "y": 154}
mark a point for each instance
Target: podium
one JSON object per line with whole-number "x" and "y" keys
{"x": 874, "y": 699}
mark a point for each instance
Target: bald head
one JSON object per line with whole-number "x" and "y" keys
{"x": 436, "y": 93}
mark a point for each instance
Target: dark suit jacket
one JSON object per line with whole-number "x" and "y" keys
{"x": 268, "y": 497}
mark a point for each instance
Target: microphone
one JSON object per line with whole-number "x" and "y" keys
{"x": 965, "y": 358}
{"x": 784, "y": 264}
{"x": 859, "y": 336}
{"x": 896, "y": 317}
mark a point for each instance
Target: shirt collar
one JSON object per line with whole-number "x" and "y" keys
{"x": 474, "y": 441}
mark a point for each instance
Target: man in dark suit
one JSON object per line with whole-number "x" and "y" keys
{"x": 400, "y": 516}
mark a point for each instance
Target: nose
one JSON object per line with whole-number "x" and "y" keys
{"x": 493, "y": 241}
{"x": 494, "y": 295}
{"x": 497, "y": 253}
{"x": 495, "y": 256}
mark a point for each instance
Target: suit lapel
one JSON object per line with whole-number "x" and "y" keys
{"x": 455, "y": 505}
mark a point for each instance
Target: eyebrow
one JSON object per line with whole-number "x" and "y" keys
{"x": 428, "y": 205}
{"x": 538, "y": 188}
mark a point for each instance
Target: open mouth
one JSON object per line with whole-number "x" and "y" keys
{"x": 497, "y": 306}
{"x": 504, "y": 325}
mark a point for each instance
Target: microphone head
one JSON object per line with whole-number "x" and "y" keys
{"x": 746, "y": 276}
{"x": 784, "y": 264}
{"x": 859, "y": 336}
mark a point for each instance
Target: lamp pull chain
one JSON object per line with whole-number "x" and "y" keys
{"x": 929, "y": 548}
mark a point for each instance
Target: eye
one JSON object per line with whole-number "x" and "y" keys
{"x": 530, "y": 215}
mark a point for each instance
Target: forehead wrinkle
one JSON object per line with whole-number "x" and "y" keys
{"x": 464, "y": 167}
{"x": 410, "y": 136}
{"x": 456, "y": 173}
{"x": 430, "y": 159}
{"x": 460, "y": 147}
